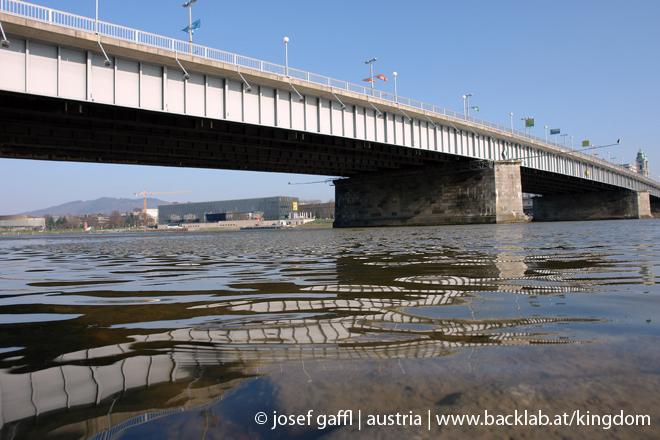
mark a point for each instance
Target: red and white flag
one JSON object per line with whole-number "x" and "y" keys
{"x": 368, "y": 80}
{"x": 381, "y": 77}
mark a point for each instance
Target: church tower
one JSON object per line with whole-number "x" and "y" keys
{"x": 642, "y": 164}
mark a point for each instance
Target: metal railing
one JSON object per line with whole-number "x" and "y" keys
{"x": 48, "y": 15}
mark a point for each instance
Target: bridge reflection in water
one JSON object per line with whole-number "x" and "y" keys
{"x": 359, "y": 328}
{"x": 289, "y": 302}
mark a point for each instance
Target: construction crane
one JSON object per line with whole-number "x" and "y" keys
{"x": 145, "y": 193}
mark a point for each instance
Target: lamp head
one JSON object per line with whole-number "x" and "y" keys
{"x": 286, "y": 39}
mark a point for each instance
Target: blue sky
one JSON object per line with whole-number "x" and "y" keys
{"x": 588, "y": 68}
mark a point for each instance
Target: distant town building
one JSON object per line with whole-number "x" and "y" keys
{"x": 642, "y": 163}
{"x": 21, "y": 222}
{"x": 281, "y": 210}
{"x": 153, "y": 213}
{"x": 318, "y": 210}
{"x": 630, "y": 167}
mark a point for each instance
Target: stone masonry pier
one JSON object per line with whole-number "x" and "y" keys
{"x": 432, "y": 196}
{"x": 602, "y": 205}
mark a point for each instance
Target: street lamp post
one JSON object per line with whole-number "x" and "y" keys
{"x": 571, "y": 143}
{"x": 286, "y": 56}
{"x": 466, "y": 104}
{"x": 396, "y": 99}
{"x": 188, "y": 5}
{"x": 371, "y": 77}
{"x": 546, "y": 134}
{"x": 511, "y": 114}
{"x": 564, "y": 136}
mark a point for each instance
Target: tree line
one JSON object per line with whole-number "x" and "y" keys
{"x": 115, "y": 220}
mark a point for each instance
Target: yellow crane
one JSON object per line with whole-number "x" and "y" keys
{"x": 145, "y": 193}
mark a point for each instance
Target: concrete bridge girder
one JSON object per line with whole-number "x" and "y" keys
{"x": 142, "y": 111}
{"x": 423, "y": 130}
{"x": 49, "y": 129}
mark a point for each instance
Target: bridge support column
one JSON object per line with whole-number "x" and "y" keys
{"x": 431, "y": 196}
{"x": 655, "y": 207}
{"x": 602, "y": 205}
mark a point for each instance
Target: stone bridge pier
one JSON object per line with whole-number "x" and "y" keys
{"x": 595, "y": 205}
{"x": 655, "y": 207}
{"x": 432, "y": 195}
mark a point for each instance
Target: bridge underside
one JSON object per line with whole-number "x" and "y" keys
{"x": 44, "y": 128}
{"x": 570, "y": 198}
{"x": 388, "y": 184}
{"x": 546, "y": 183}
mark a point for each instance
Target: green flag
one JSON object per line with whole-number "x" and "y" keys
{"x": 475, "y": 108}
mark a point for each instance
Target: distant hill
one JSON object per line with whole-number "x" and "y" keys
{"x": 103, "y": 205}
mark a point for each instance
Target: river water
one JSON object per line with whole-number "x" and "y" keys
{"x": 356, "y": 333}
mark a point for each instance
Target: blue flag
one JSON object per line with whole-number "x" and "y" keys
{"x": 193, "y": 27}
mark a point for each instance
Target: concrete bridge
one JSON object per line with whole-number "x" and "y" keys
{"x": 72, "y": 89}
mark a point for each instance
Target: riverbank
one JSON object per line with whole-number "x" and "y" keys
{"x": 311, "y": 225}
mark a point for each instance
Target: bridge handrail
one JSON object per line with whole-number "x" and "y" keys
{"x": 64, "y": 19}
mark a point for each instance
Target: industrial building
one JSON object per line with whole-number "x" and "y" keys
{"x": 280, "y": 211}
{"x": 21, "y": 222}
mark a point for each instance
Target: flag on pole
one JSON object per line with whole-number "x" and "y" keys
{"x": 585, "y": 143}
{"x": 381, "y": 77}
{"x": 475, "y": 108}
{"x": 369, "y": 80}
{"x": 529, "y": 122}
{"x": 193, "y": 27}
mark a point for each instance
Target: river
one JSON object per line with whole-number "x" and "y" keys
{"x": 542, "y": 330}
